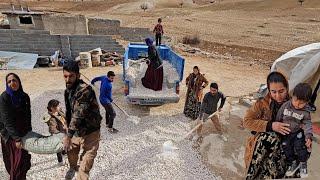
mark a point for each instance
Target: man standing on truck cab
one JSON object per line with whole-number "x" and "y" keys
{"x": 106, "y": 98}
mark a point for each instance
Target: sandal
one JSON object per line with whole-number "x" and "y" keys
{"x": 113, "y": 130}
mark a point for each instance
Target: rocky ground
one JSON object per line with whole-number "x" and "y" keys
{"x": 133, "y": 153}
{"x": 143, "y": 142}
{"x": 236, "y": 51}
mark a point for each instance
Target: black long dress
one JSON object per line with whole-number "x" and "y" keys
{"x": 153, "y": 77}
{"x": 15, "y": 123}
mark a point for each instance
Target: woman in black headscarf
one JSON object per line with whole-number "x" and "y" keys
{"x": 15, "y": 123}
{"x": 153, "y": 77}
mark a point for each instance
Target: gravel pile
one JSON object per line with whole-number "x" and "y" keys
{"x": 136, "y": 71}
{"x": 133, "y": 153}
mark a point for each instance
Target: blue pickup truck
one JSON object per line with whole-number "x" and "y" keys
{"x": 134, "y": 91}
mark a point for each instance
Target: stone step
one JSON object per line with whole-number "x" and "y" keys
{"x": 90, "y": 37}
{"x": 5, "y": 39}
{"x": 93, "y": 43}
{"x": 12, "y": 30}
{"x": 37, "y": 32}
{"x": 105, "y": 49}
{"x": 31, "y": 47}
{"x": 76, "y": 52}
{"x": 22, "y": 31}
{"x": 35, "y": 35}
{"x": 44, "y": 53}
{"x": 94, "y": 47}
{"x": 8, "y": 41}
{"x": 21, "y": 39}
{"x": 90, "y": 48}
{"x": 92, "y": 40}
{"x": 30, "y": 42}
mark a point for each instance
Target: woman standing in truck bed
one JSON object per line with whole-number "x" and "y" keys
{"x": 153, "y": 77}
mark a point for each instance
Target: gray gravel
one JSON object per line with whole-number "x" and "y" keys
{"x": 133, "y": 153}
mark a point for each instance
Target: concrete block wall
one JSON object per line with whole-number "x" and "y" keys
{"x": 103, "y": 26}
{"x": 65, "y": 45}
{"x": 135, "y": 34}
{"x": 112, "y": 27}
{"x": 15, "y": 22}
{"x": 80, "y": 43}
{"x": 65, "y": 25}
{"x": 39, "y": 42}
{"x": 42, "y": 43}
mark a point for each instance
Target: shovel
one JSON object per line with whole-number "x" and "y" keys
{"x": 134, "y": 119}
{"x": 169, "y": 145}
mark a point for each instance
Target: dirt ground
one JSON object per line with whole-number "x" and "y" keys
{"x": 224, "y": 159}
{"x": 251, "y": 33}
{"x": 37, "y": 81}
{"x": 260, "y": 30}
{"x": 230, "y": 163}
{"x": 277, "y": 26}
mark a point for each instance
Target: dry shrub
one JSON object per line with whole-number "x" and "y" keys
{"x": 191, "y": 39}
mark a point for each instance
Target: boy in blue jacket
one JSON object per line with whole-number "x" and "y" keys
{"x": 106, "y": 98}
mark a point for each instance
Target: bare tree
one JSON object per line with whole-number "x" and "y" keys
{"x": 301, "y": 2}
{"x": 144, "y": 6}
{"x": 12, "y": 5}
{"x": 181, "y": 4}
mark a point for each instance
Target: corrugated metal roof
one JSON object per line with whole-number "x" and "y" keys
{"x": 19, "y": 60}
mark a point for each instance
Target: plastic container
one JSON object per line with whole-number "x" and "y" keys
{"x": 85, "y": 60}
{"x": 95, "y": 58}
{"x": 84, "y": 55}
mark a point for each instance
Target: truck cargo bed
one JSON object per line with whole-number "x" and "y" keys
{"x": 136, "y": 93}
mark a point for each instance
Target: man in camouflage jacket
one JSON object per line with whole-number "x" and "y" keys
{"x": 83, "y": 120}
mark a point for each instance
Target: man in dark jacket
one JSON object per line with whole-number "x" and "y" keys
{"x": 210, "y": 106}
{"x": 83, "y": 120}
{"x": 106, "y": 98}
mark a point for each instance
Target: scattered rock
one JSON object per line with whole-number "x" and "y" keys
{"x": 133, "y": 153}
{"x": 314, "y": 20}
{"x": 247, "y": 101}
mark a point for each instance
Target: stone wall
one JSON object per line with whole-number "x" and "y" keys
{"x": 112, "y": 27}
{"x": 15, "y": 22}
{"x": 65, "y": 25}
{"x": 43, "y": 43}
{"x": 135, "y": 34}
{"x": 103, "y": 26}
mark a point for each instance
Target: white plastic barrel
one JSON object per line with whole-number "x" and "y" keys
{"x": 85, "y": 59}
